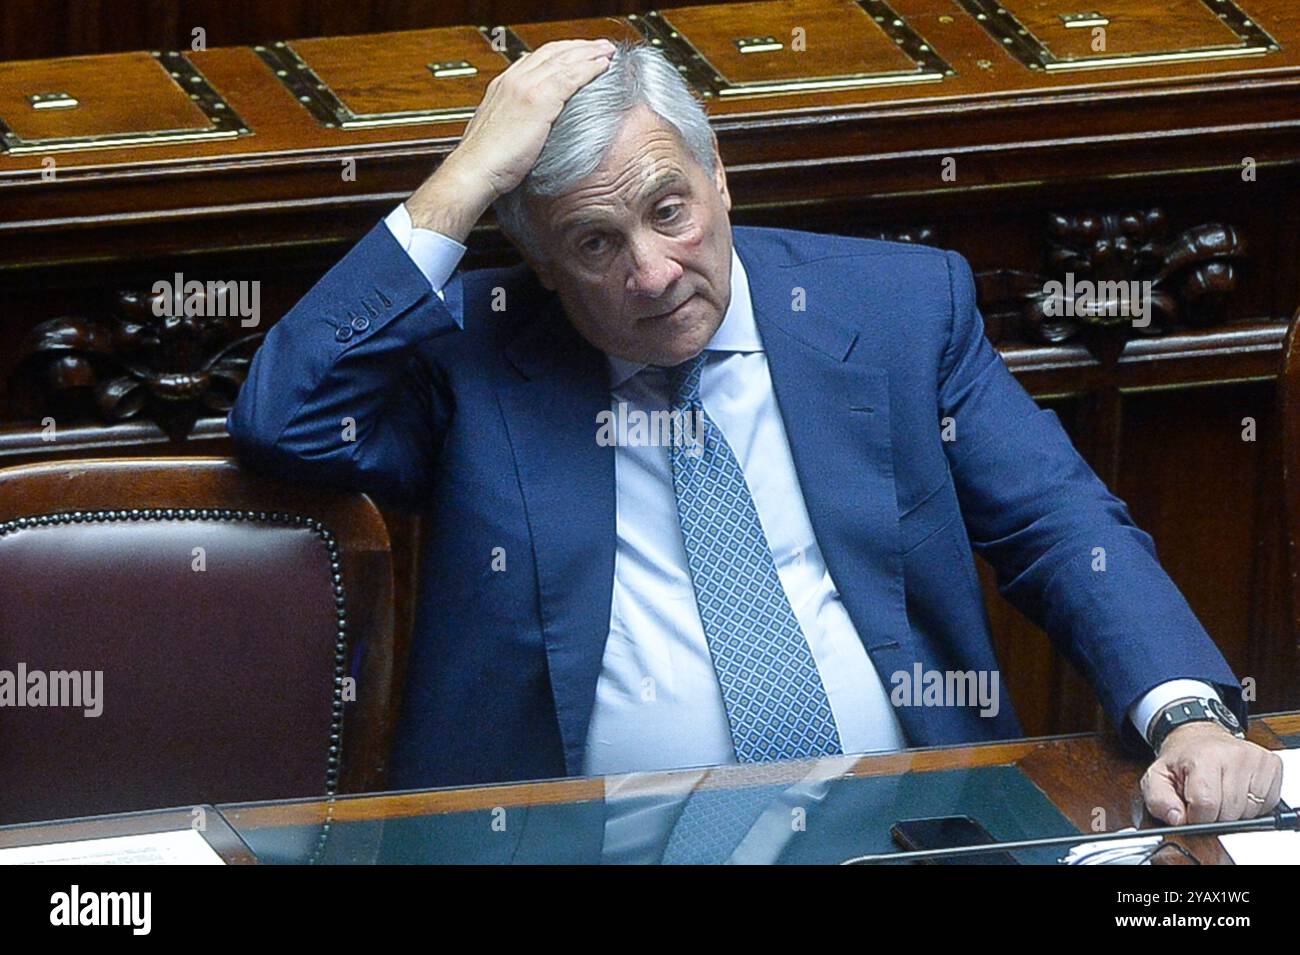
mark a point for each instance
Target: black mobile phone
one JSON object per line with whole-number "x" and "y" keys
{"x": 946, "y": 832}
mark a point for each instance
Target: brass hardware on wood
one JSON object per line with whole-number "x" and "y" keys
{"x": 452, "y": 68}
{"x": 224, "y": 122}
{"x": 53, "y": 101}
{"x": 322, "y": 102}
{"x": 758, "y": 44}
{"x": 1033, "y": 51}
{"x": 705, "y": 76}
{"x": 1080, "y": 20}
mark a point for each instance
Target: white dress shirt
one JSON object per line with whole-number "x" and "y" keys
{"x": 658, "y": 702}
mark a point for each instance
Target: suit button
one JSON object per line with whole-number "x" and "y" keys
{"x": 342, "y": 333}
{"x": 361, "y": 323}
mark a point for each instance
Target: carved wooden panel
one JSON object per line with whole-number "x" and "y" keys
{"x": 166, "y": 357}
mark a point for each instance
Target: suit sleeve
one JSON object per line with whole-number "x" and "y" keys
{"x": 337, "y": 393}
{"x": 1066, "y": 551}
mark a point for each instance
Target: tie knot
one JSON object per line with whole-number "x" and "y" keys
{"x": 684, "y": 381}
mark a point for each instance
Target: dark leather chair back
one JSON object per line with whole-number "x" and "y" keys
{"x": 201, "y": 627}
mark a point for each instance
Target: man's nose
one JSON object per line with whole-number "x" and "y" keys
{"x": 653, "y": 271}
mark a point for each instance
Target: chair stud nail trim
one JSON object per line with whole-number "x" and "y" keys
{"x": 326, "y": 537}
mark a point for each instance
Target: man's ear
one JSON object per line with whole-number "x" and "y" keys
{"x": 538, "y": 266}
{"x": 720, "y": 174}
{"x": 533, "y": 259}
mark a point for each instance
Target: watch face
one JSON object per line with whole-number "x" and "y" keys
{"x": 1225, "y": 714}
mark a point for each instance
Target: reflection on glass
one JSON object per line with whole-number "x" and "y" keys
{"x": 809, "y": 812}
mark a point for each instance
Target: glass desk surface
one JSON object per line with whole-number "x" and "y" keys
{"x": 820, "y": 811}
{"x": 811, "y": 811}
{"x": 806, "y": 812}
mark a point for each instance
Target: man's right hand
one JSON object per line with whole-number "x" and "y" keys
{"x": 506, "y": 134}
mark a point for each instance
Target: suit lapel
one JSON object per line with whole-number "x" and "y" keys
{"x": 835, "y": 407}
{"x": 567, "y": 481}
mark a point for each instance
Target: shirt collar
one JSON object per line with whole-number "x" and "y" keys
{"x": 737, "y": 332}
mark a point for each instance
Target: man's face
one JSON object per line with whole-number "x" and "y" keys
{"x": 640, "y": 251}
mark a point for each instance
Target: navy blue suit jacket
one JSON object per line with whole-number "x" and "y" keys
{"x": 489, "y": 432}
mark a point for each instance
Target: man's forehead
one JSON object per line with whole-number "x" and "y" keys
{"x": 581, "y": 205}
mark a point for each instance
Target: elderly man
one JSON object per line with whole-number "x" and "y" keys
{"x": 601, "y": 599}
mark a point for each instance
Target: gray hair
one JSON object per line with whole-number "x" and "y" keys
{"x": 589, "y": 122}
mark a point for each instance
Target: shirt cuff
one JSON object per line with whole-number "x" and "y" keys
{"x": 434, "y": 254}
{"x": 1144, "y": 710}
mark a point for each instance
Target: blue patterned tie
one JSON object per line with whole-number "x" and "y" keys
{"x": 714, "y": 822}
{"x": 775, "y": 701}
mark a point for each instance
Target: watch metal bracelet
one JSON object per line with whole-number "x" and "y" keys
{"x": 1191, "y": 710}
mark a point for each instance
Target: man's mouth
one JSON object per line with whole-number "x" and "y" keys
{"x": 668, "y": 314}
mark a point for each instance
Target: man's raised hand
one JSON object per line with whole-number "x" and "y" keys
{"x": 506, "y": 135}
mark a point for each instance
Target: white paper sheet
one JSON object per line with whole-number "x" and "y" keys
{"x": 179, "y": 847}
{"x": 1271, "y": 848}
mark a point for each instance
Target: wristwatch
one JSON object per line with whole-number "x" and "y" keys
{"x": 1192, "y": 710}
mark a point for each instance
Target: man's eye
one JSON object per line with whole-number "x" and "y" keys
{"x": 672, "y": 211}
{"x": 592, "y": 246}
